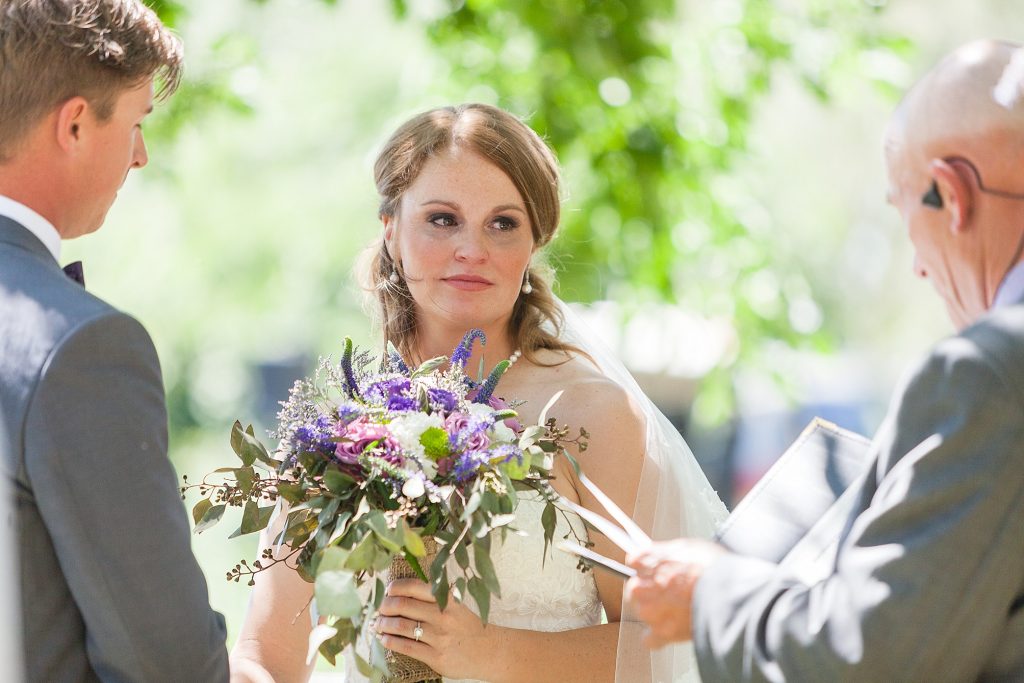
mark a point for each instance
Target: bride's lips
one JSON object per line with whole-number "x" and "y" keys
{"x": 469, "y": 283}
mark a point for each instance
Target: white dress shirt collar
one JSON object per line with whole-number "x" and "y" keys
{"x": 1012, "y": 288}
{"x": 33, "y": 222}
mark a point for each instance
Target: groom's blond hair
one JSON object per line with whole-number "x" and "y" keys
{"x": 53, "y": 50}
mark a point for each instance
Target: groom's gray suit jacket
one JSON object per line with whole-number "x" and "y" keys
{"x": 924, "y": 578}
{"x": 110, "y": 588}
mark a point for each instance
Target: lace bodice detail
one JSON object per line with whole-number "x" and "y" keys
{"x": 548, "y": 595}
{"x": 541, "y": 594}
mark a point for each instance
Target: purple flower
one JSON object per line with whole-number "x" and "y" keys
{"x": 385, "y": 389}
{"x": 441, "y": 400}
{"x": 461, "y": 353}
{"x": 466, "y": 432}
{"x": 348, "y": 412}
{"x": 403, "y": 403}
{"x": 363, "y": 436}
{"x": 467, "y": 464}
{"x": 316, "y": 437}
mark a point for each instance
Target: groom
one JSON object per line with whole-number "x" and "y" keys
{"x": 925, "y": 579}
{"x": 109, "y": 586}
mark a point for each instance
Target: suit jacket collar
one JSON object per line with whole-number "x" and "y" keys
{"x": 17, "y": 236}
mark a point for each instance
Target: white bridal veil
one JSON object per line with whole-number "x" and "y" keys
{"x": 674, "y": 499}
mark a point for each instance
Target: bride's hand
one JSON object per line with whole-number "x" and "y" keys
{"x": 455, "y": 642}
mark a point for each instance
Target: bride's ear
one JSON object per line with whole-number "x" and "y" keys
{"x": 389, "y": 235}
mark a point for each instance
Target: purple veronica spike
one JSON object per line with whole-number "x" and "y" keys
{"x": 461, "y": 353}
{"x": 468, "y": 463}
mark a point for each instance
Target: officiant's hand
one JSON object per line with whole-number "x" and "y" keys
{"x": 453, "y": 643}
{"x": 661, "y": 594}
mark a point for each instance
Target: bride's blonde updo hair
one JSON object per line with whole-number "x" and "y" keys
{"x": 516, "y": 149}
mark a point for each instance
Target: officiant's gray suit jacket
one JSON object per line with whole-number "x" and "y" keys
{"x": 925, "y": 579}
{"x": 110, "y": 588}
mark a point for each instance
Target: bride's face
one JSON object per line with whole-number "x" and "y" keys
{"x": 464, "y": 240}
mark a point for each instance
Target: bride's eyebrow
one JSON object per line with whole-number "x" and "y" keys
{"x": 454, "y": 206}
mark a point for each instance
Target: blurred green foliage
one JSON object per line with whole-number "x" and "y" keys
{"x": 648, "y": 104}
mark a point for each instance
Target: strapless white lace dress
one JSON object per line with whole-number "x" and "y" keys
{"x": 538, "y": 595}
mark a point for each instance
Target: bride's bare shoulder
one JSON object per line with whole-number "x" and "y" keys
{"x": 589, "y": 398}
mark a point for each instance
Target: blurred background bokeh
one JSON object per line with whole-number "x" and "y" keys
{"x": 724, "y": 215}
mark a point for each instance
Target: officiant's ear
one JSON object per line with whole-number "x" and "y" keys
{"x": 951, "y": 184}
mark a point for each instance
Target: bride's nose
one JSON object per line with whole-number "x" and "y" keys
{"x": 471, "y": 247}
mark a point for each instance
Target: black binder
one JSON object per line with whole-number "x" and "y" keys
{"x": 797, "y": 492}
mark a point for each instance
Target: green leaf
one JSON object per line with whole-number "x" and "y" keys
{"x": 333, "y": 559}
{"x": 547, "y": 520}
{"x": 478, "y": 589}
{"x": 247, "y": 447}
{"x": 413, "y": 543}
{"x": 200, "y": 509}
{"x": 429, "y": 366}
{"x": 435, "y": 443}
{"x": 250, "y": 518}
{"x": 363, "y": 556}
{"x": 440, "y": 588}
{"x": 516, "y": 468}
{"x": 337, "y": 481}
{"x": 392, "y": 539}
{"x": 485, "y": 568}
{"x": 245, "y": 477}
{"x": 462, "y": 555}
{"x": 210, "y": 518}
{"x": 336, "y": 594}
{"x": 530, "y": 436}
{"x": 293, "y": 493}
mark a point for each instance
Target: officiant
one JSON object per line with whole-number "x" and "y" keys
{"x": 927, "y": 564}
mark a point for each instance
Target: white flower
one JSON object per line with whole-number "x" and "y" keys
{"x": 413, "y": 488}
{"x": 480, "y": 410}
{"x": 407, "y": 430}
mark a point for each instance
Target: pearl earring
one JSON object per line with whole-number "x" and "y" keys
{"x": 527, "y": 287}
{"x": 394, "y": 278}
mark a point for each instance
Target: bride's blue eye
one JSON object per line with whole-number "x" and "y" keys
{"x": 442, "y": 220}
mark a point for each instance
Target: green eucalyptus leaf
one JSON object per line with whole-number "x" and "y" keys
{"x": 200, "y": 509}
{"x": 210, "y": 518}
{"x": 530, "y": 436}
{"x": 337, "y": 481}
{"x": 485, "y": 568}
{"x": 245, "y": 477}
{"x": 293, "y": 493}
{"x": 547, "y": 520}
{"x": 440, "y": 588}
{"x": 478, "y": 589}
{"x": 333, "y": 559}
{"x": 412, "y": 541}
{"x": 462, "y": 555}
{"x": 336, "y": 593}
{"x": 363, "y": 556}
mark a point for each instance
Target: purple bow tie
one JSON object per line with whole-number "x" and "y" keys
{"x": 75, "y": 272}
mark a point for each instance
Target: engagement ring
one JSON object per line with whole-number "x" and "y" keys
{"x": 417, "y": 632}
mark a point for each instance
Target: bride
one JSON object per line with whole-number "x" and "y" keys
{"x": 469, "y": 195}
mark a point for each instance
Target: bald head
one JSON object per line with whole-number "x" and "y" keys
{"x": 971, "y": 105}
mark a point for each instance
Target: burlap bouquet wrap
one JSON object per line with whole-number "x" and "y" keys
{"x": 402, "y": 668}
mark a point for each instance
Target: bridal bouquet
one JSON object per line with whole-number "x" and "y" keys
{"x": 378, "y": 461}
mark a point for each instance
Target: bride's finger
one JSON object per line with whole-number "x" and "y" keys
{"x": 408, "y": 646}
{"x": 410, "y": 588}
{"x": 410, "y": 608}
{"x": 407, "y": 628}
